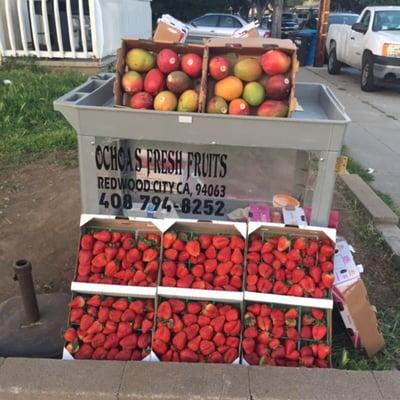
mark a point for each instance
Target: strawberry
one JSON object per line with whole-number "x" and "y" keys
{"x": 280, "y": 288}
{"x": 307, "y": 319}
{"x": 168, "y": 268}
{"x": 318, "y": 314}
{"x": 210, "y": 310}
{"x": 146, "y": 325}
{"x": 253, "y": 257}
{"x": 100, "y": 354}
{"x": 327, "y": 279}
{"x": 84, "y": 257}
{"x": 70, "y": 335}
{"x": 314, "y": 349}
{"x": 111, "y": 342}
{"x": 98, "y": 340}
{"x": 123, "y": 355}
{"x": 236, "y": 282}
{"x": 307, "y": 284}
{"x": 255, "y": 246}
{"x": 277, "y": 317}
{"x": 210, "y": 265}
{"x": 181, "y": 270}
{"x": 124, "y": 329}
{"x": 111, "y": 253}
{"x": 199, "y": 284}
{"x": 206, "y": 332}
{"x": 86, "y": 321}
{"x": 290, "y": 346}
{"x": 178, "y": 245}
{"x": 318, "y": 332}
{"x": 121, "y": 304}
{"x": 198, "y": 270}
{"x": 277, "y": 331}
{"x": 292, "y": 333}
{"x": 149, "y": 255}
{"x": 323, "y": 351}
{"x": 185, "y": 282}
{"x": 103, "y": 236}
{"x": 232, "y": 328}
{"x": 217, "y": 323}
{"x": 168, "y": 239}
{"x": 283, "y": 243}
{"x": 194, "y": 343}
{"x": 211, "y": 252}
{"x": 205, "y": 241}
{"x": 203, "y": 320}
{"x": 144, "y": 340}
{"x": 321, "y": 363}
{"x": 220, "y": 241}
{"x": 305, "y": 332}
{"x": 232, "y": 314}
{"x": 77, "y": 302}
{"x": 206, "y": 347}
{"x": 177, "y": 306}
{"x": 315, "y": 273}
{"x": 297, "y": 275}
{"x": 137, "y": 306}
{"x": 137, "y": 323}
{"x": 293, "y": 255}
{"x": 187, "y": 355}
{"x": 133, "y": 255}
{"x": 96, "y": 327}
{"x": 327, "y": 266}
{"x": 116, "y": 237}
{"x": 111, "y": 268}
{"x": 164, "y": 311}
{"x": 280, "y": 275}
{"x": 179, "y": 340}
{"x": 312, "y": 248}
{"x": 129, "y": 342}
{"x": 192, "y": 331}
{"x": 139, "y": 277}
{"x": 193, "y": 248}
{"x": 251, "y": 331}
{"x": 319, "y": 293}
{"x": 237, "y": 242}
{"x": 326, "y": 250}
{"x": 128, "y": 316}
{"x": 295, "y": 290}
{"x": 237, "y": 256}
{"x": 230, "y": 356}
{"x": 87, "y": 242}
{"x": 300, "y": 244}
{"x": 110, "y": 327}
{"x": 193, "y": 307}
{"x": 291, "y": 313}
{"x": 293, "y": 356}
{"x": 159, "y": 347}
{"x": 84, "y": 352}
{"x": 98, "y": 248}
{"x": 189, "y": 319}
{"x": 168, "y": 281}
{"x": 219, "y": 339}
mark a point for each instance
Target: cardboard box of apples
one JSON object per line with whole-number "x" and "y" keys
{"x": 251, "y": 76}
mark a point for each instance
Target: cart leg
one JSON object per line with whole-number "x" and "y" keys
{"x": 324, "y": 187}
{"x": 301, "y": 174}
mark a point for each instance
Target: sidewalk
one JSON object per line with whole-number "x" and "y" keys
{"x": 373, "y": 137}
{"x": 31, "y": 379}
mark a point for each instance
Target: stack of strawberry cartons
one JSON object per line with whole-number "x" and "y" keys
{"x": 114, "y": 289}
{"x": 200, "y": 296}
{"x": 288, "y": 301}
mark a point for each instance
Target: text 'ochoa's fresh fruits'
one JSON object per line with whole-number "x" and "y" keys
{"x": 217, "y": 105}
{"x": 272, "y": 108}
{"x": 132, "y": 82}
{"x": 140, "y": 60}
{"x": 229, "y": 88}
{"x": 247, "y": 69}
{"x": 167, "y": 61}
{"x": 178, "y": 82}
{"x": 192, "y": 64}
{"x": 254, "y": 93}
{"x": 239, "y": 107}
{"x": 275, "y": 62}
{"x": 165, "y": 101}
{"x": 218, "y": 67}
{"x": 141, "y": 100}
{"x": 154, "y": 81}
{"x": 277, "y": 87}
{"x": 188, "y": 101}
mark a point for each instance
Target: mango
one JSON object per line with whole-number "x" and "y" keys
{"x": 277, "y": 87}
{"x": 239, "y": 107}
{"x": 154, "y": 81}
{"x": 254, "y": 93}
{"x": 275, "y": 62}
{"x": 178, "y": 82}
{"x": 217, "y": 105}
{"x": 165, "y": 101}
{"x": 140, "y": 60}
{"x": 168, "y": 61}
{"x": 229, "y": 88}
{"x": 188, "y": 101}
{"x": 273, "y": 108}
{"x": 141, "y": 100}
{"x": 247, "y": 69}
{"x": 132, "y": 82}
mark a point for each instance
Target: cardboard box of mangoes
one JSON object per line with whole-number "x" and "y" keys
{"x": 235, "y": 76}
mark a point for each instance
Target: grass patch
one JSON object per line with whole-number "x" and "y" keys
{"x": 29, "y": 127}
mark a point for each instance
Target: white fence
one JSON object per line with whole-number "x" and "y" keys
{"x": 75, "y": 29}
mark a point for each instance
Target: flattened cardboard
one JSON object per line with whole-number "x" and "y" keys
{"x": 120, "y": 98}
{"x": 363, "y": 318}
{"x": 345, "y": 269}
{"x": 170, "y": 30}
{"x": 251, "y": 47}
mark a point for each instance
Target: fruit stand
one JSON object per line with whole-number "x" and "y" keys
{"x": 166, "y": 270}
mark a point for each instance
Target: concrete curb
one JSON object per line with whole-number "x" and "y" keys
{"x": 384, "y": 218}
{"x": 45, "y": 379}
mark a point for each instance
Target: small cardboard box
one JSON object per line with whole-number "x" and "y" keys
{"x": 90, "y": 222}
{"x": 254, "y": 47}
{"x": 170, "y": 30}
{"x": 121, "y": 98}
{"x": 247, "y": 31}
{"x": 211, "y": 228}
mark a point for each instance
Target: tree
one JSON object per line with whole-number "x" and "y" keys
{"x": 277, "y": 19}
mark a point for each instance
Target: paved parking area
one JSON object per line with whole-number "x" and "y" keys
{"x": 373, "y": 137}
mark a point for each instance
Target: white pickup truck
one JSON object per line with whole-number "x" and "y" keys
{"x": 371, "y": 45}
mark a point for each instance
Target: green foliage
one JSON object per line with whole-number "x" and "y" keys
{"x": 28, "y": 124}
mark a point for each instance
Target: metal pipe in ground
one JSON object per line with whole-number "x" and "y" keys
{"x": 23, "y": 274}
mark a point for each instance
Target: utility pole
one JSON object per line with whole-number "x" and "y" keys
{"x": 277, "y": 18}
{"x": 324, "y": 7}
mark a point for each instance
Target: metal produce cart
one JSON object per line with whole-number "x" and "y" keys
{"x": 169, "y": 164}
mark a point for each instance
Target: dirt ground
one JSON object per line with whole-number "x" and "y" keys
{"x": 39, "y": 221}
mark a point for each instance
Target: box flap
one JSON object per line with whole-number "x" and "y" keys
{"x": 345, "y": 267}
{"x": 254, "y": 42}
{"x": 364, "y": 317}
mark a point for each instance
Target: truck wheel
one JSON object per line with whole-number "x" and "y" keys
{"x": 333, "y": 64}
{"x": 367, "y": 74}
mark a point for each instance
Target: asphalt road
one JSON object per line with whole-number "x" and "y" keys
{"x": 373, "y": 136}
